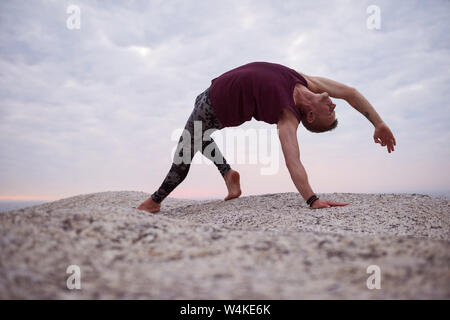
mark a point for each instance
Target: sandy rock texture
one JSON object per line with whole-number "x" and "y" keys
{"x": 255, "y": 247}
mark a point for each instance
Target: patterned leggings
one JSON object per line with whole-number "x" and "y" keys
{"x": 195, "y": 137}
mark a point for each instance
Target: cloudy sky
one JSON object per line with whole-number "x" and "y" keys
{"x": 95, "y": 109}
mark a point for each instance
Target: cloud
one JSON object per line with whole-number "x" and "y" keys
{"x": 93, "y": 109}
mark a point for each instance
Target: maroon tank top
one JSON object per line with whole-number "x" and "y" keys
{"x": 258, "y": 89}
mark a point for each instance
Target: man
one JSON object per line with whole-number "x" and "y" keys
{"x": 275, "y": 94}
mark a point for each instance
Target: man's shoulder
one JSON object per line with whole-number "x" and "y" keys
{"x": 287, "y": 118}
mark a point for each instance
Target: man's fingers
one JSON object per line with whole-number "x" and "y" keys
{"x": 337, "y": 203}
{"x": 391, "y": 145}
{"x": 385, "y": 138}
{"x": 392, "y": 139}
{"x": 386, "y": 143}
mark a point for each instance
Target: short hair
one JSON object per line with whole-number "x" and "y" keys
{"x": 318, "y": 129}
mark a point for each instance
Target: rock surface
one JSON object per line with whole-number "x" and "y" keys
{"x": 256, "y": 247}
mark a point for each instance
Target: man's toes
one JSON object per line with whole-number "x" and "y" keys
{"x": 153, "y": 210}
{"x": 148, "y": 209}
{"x": 141, "y": 207}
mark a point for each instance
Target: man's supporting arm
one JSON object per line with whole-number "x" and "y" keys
{"x": 300, "y": 178}
{"x": 287, "y": 132}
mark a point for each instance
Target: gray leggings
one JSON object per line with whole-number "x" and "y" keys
{"x": 190, "y": 142}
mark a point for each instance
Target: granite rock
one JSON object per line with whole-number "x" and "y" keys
{"x": 268, "y": 246}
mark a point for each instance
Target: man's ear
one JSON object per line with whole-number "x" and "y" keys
{"x": 310, "y": 116}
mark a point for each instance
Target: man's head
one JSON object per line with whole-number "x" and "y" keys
{"x": 317, "y": 110}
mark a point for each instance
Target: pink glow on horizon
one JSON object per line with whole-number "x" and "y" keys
{"x": 196, "y": 193}
{"x": 25, "y": 198}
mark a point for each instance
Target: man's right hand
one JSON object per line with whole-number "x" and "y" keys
{"x": 319, "y": 204}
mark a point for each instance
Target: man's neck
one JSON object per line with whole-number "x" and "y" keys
{"x": 302, "y": 98}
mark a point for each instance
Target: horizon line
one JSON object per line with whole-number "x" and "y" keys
{"x": 48, "y": 199}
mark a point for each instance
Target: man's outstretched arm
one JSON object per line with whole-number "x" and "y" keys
{"x": 383, "y": 134}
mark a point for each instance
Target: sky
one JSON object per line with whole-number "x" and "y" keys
{"x": 97, "y": 108}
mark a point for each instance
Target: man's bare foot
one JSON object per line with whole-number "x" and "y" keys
{"x": 234, "y": 188}
{"x": 150, "y": 206}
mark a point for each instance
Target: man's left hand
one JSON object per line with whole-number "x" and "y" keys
{"x": 384, "y": 137}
